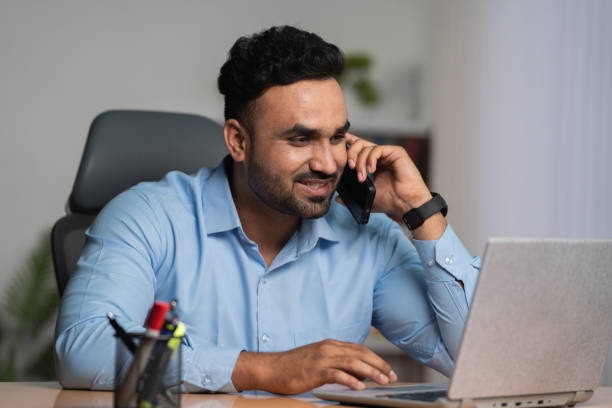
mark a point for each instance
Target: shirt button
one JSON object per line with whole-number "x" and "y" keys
{"x": 264, "y": 281}
{"x": 265, "y": 338}
{"x": 448, "y": 260}
{"x": 206, "y": 380}
{"x": 430, "y": 262}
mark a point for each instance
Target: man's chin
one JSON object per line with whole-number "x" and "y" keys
{"x": 316, "y": 207}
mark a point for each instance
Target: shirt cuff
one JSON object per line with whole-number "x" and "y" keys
{"x": 209, "y": 368}
{"x": 447, "y": 259}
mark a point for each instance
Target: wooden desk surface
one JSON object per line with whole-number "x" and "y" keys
{"x": 50, "y": 394}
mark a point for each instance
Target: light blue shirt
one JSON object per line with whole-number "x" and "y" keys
{"x": 182, "y": 238}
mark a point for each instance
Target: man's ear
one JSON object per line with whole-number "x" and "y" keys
{"x": 235, "y": 139}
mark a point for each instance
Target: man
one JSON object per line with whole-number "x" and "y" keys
{"x": 276, "y": 282}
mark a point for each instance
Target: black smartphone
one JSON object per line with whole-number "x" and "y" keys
{"x": 357, "y": 196}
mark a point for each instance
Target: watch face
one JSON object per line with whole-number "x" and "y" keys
{"x": 417, "y": 216}
{"x": 413, "y": 219}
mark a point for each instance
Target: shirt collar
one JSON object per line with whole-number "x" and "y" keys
{"x": 311, "y": 230}
{"x": 218, "y": 203}
{"x": 222, "y": 214}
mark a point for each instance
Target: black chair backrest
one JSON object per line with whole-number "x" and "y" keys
{"x": 67, "y": 240}
{"x": 124, "y": 148}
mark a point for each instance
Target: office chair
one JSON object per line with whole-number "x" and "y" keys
{"x": 123, "y": 148}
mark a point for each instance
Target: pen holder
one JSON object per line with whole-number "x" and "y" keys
{"x": 149, "y": 377}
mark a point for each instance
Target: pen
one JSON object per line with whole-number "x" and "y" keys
{"x": 155, "y": 320}
{"x": 122, "y": 334}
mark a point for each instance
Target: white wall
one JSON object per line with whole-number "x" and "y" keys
{"x": 63, "y": 62}
{"x": 521, "y": 111}
{"x": 523, "y": 118}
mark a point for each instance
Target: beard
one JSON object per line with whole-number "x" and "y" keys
{"x": 268, "y": 187}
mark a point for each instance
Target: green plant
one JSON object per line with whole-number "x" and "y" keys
{"x": 27, "y": 315}
{"x": 356, "y": 76}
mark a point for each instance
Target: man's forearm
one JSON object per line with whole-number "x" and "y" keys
{"x": 249, "y": 370}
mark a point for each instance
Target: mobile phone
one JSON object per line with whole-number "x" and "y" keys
{"x": 357, "y": 196}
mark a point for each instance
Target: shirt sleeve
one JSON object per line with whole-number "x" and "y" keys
{"x": 446, "y": 261}
{"x": 117, "y": 272}
{"x": 418, "y": 303}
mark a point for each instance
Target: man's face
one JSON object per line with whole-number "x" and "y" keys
{"x": 297, "y": 147}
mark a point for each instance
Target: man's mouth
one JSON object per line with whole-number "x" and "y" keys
{"x": 316, "y": 187}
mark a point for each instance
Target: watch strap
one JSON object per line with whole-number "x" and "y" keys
{"x": 417, "y": 216}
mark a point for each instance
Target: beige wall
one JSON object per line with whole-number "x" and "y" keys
{"x": 522, "y": 115}
{"x": 63, "y": 62}
{"x": 521, "y": 98}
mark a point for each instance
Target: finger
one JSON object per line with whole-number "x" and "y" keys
{"x": 342, "y": 351}
{"x": 360, "y": 165}
{"x": 336, "y": 346}
{"x": 351, "y": 138}
{"x": 373, "y": 157}
{"x": 359, "y": 368}
{"x": 335, "y": 376}
{"x": 355, "y": 144}
{"x": 368, "y": 356}
{"x": 340, "y": 201}
{"x": 353, "y": 152}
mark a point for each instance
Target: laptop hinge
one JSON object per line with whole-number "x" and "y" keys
{"x": 582, "y": 396}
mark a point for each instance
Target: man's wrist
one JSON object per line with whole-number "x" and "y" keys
{"x": 416, "y": 216}
{"x": 432, "y": 229}
{"x": 419, "y": 199}
{"x": 411, "y": 201}
{"x": 247, "y": 372}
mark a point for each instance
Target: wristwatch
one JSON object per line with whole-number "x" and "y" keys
{"x": 417, "y": 216}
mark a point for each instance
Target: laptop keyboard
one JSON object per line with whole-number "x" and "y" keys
{"x": 429, "y": 396}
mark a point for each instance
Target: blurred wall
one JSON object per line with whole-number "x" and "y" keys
{"x": 522, "y": 115}
{"x": 520, "y": 97}
{"x": 63, "y": 62}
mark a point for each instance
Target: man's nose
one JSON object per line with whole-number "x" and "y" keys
{"x": 323, "y": 159}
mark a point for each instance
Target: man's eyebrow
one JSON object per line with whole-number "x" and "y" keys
{"x": 344, "y": 128}
{"x": 300, "y": 129}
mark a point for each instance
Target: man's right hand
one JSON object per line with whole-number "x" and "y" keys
{"x": 301, "y": 369}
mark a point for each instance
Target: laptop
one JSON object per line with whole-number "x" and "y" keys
{"x": 537, "y": 333}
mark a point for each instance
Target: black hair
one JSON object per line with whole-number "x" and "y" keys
{"x": 279, "y": 55}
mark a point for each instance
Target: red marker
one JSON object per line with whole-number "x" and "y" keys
{"x": 156, "y": 317}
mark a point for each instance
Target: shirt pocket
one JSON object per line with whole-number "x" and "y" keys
{"x": 354, "y": 333}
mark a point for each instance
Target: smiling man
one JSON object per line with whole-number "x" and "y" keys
{"x": 277, "y": 284}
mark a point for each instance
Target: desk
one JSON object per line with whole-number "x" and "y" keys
{"x": 50, "y": 395}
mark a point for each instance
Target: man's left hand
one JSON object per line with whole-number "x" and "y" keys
{"x": 399, "y": 185}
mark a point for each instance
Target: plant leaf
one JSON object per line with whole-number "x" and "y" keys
{"x": 31, "y": 297}
{"x": 30, "y": 304}
{"x": 43, "y": 368}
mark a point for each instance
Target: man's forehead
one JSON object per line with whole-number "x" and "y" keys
{"x": 307, "y": 102}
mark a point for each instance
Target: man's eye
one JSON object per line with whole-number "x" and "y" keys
{"x": 299, "y": 140}
{"x": 338, "y": 138}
